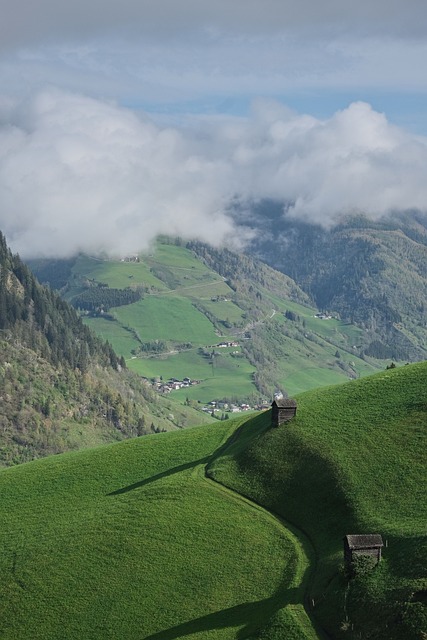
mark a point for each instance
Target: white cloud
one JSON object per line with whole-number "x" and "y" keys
{"x": 81, "y": 174}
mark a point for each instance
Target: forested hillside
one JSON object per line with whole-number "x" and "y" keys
{"x": 62, "y": 387}
{"x": 373, "y": 273}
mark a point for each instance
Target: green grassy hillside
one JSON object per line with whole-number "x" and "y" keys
{"x": 132, "y": 541}
{"x": 193, "y": 297}
{"x": 352, "y": 461}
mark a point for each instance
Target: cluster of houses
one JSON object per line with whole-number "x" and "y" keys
{"x": 229, "y": 407}
{"x": 173, "y": 384}
{"x": 222, "y": 345}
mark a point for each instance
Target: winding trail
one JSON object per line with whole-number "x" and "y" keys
{"x": 304, "y": 552}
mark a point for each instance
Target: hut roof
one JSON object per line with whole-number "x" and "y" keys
{"x": 364, "y": 541}
{"x": 285, "y": 402}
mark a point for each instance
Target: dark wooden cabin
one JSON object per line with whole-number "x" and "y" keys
{"x": 366, "y": 545}
{"x": 283, "y": 410}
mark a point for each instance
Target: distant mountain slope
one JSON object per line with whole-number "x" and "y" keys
{"x": 352, "y": 461}
{"x": 61, "y": 386}
{"x": 168, "y": 312}
{"x": 372, "y": 273}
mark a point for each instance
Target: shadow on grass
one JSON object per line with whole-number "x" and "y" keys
{"x": 188, "y": 465}
{"x": 159, "y": 476}
{"x": 247, "y": 616}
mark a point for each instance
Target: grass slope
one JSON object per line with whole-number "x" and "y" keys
{"x": 198, "y": 296}
{"x": 167, "y": 318}
{"x": 352, "y": 461}
{"x": 132, "y": 541}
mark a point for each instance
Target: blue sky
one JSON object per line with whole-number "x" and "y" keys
{"x": 243, "y": 98}
{"x": 174, "y": 56}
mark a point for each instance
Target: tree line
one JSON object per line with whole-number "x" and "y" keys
{"x": 43, "y": 321}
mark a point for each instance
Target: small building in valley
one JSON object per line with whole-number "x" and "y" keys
{"x": 282, "y": 410}
{"x": 365, "y": 545}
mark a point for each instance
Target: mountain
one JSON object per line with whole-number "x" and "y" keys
{"x": 237, "y": 328}
{"x": 62, "y": 387}
{"x": 372, "y": 273}
{"x": 187, "y": 533}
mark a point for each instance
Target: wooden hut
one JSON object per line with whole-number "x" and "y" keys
{"x": 283, "y": 410}
{"x": 366, "y": 545}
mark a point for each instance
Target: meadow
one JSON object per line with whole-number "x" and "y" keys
{"x": 169, "y": 318}
{"x": 187, "y": 303}
{"x": 116, "y": 274}
{"x": 225, "y": 377}
{"x": 352, "y": 461}
{"x": 132, "y": 541}
{"x": 224, "y": 531}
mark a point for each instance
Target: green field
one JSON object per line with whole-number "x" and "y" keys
{"x": 352, "y": 461}
{"x": 224, "y": 311}
{"x": 338, "y": 332}
{"x": 227, "y": 377}
{"x": 115, "y": 273}
{"x": 169, "y": 318}
{"x": 132, "y": 541}
{"x": 310, "y": 378}
{"x": 123, "y": 341}
{"x": 187, "y": 303}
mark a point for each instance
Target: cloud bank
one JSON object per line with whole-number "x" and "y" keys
{"x": 80, "y": 174}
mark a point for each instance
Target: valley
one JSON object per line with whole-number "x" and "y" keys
{"x": 260, "y": 511}
{"x": 191, "y": 301}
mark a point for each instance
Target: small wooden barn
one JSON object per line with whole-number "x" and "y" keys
{"x": 366, "y": 545}
{"x": 283, "y": 410}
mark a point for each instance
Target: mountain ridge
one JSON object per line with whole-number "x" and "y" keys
{"x": 372, "y": 273}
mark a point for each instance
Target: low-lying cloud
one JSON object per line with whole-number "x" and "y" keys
{"x": 79, "y": 174}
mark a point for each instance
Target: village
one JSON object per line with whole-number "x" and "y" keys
{"x": 174, "y": 384}
{"x": 214, "y": 406}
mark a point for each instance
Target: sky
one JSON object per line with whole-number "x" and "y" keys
{"x": 120, "y": 120}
